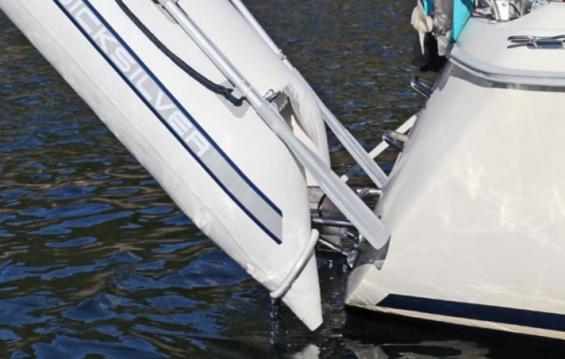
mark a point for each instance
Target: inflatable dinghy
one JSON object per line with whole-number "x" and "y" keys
{"x": 469, "y": 226}
{"x": 231, "y": 131}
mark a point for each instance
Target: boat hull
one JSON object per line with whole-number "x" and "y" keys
{"x": 476, "y": 202}
{"x": 207, "y": 154}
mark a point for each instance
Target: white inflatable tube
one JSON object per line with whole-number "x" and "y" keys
{"x": 372, "y": 169}
{"x": 221, "y": 164}
{"x": 340, "y": 194}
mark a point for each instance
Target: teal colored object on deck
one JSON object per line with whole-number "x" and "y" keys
{"x": 428, "y": 6}
{"x": 462, "y": 10}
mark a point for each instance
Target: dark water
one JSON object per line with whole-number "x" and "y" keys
{"x": 95, "y": 258}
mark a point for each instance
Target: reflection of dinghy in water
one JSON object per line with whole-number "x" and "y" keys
{"x": 475, "y": 205}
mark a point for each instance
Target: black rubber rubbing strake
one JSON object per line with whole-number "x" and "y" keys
{"x": 219, "y": 89}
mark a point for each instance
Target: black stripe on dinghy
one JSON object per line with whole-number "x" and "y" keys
{"x": 271, "y": 223}
{"x": 487, "y": 313}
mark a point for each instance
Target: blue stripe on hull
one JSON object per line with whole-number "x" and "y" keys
{"x": 273, "y": 233}
{"x": 487, "y": 313}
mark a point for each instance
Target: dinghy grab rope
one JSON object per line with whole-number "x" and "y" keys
{"x": 227, "y": 93}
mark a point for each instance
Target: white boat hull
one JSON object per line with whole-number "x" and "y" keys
{"x": 476, "y": 202}
{"x": 210, "y": 156}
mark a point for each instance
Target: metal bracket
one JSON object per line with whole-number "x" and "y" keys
{"x": 395, "y": 139}
{"x": 420, "y": 87}
{"x": 537, "y": 42}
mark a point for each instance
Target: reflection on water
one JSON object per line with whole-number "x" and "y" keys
{"x": 444, "y": 349}
{"x": 96, "y": 259}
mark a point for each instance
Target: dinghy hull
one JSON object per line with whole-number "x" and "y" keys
{"x": 220, "y": 163}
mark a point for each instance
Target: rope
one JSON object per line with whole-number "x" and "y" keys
{"x": 216, "y": 88}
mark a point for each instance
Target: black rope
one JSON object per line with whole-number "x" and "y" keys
{"x": 219, "y": 89}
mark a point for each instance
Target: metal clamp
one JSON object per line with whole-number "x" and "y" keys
{"x": 537, "y": 42}
{"x": 420, "y": 87}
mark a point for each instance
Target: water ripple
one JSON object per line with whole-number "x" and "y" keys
{"x": 96, "y": 260}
